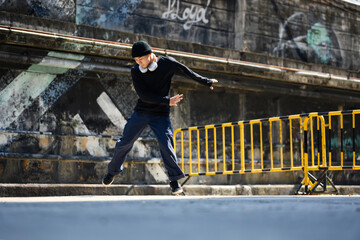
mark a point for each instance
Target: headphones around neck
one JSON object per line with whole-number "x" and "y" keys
{"x": 152, "y": 67}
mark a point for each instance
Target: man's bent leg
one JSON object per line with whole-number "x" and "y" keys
{"x": 132, "y": 131}
{"x": 161, "y": 126}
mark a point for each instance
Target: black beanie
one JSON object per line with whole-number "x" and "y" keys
{"x": 140, "y": 48}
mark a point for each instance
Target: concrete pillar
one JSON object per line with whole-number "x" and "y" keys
{"x": 240, "y": 8}
{"x": 67, "y": 170}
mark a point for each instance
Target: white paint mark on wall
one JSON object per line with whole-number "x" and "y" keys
{"x": 20, "y": 93}
{"x": 3, "y": 140}
{"x": 157, "y": 172}
{"x": 111, "y": 111}
{"x": 57, "y": 63}
{"x": 92, "y": 144}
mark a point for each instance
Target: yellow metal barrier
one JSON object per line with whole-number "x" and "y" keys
{"x": 303, "y": 142}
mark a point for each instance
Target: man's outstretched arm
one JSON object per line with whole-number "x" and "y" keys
{"x": 193, "y": 75}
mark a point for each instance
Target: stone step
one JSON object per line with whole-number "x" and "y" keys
{"x": 33, "y": 190}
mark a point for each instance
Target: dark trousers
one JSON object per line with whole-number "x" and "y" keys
{"x": 161, "y": 126}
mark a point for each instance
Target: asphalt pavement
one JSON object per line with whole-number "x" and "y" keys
{"x": 180, "y": 217}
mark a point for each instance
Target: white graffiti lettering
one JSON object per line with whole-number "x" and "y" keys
{"x": 190, "y": 15}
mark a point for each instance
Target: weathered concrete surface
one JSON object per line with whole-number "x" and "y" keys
{"x": 59, "y": 84}
{"x": 35, "y": 190}
{"x": 261, "y": 217}
{"x": 292, "y": 72}
{"x": 146, "y": 171}
{"x": 312, "y": 31}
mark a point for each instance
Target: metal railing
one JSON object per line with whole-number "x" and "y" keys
{"x": 311, "y": 142}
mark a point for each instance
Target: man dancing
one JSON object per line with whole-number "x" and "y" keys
{"x": 151, "y": 77}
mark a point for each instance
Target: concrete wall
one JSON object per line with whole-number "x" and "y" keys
{"x": 311, "y": 31}
{"x": 68, "y": 102}
{"x": 63, "y": 87}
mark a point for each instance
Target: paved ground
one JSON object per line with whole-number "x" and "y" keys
{"x": 34, "y": 189}
{"x": 167, "y": 217}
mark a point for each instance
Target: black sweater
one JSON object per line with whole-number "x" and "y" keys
{"x": 153, "y": 88}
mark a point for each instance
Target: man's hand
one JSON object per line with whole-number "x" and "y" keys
{"x": 214, "y": 81}
{"x": 175, "y": 99}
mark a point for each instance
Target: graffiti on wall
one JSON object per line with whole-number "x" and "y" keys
{"x": 319, "y": 40}
{"x": 110, "y": 15}
{"x": 348, "y": 147}
{"x": 20, "y": 94}
{"x": 54, "y": 95}
{"x": 189, "y": 15}
{"x": 308, "y": 39}
{"x": 105, "y": 14}
{"x": 48, "y": 96}
{"x": 56, "y": 9}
